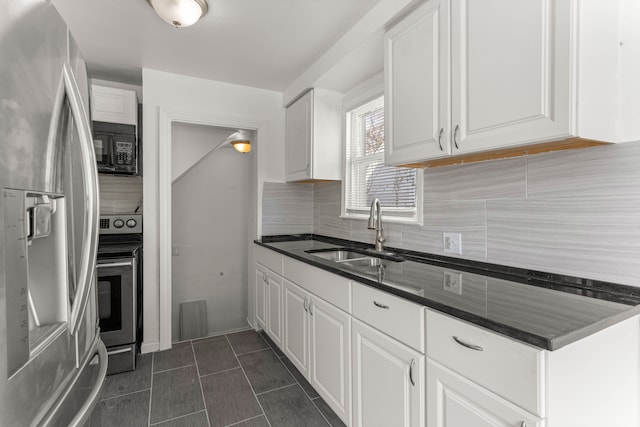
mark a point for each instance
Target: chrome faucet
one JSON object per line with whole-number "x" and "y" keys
{"x": 376, "y": 224}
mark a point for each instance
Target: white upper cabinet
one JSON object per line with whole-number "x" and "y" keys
{"x": 114, "y": 105}
{"x": 416, "y": 85}
{"x": 313, "y": 137}
{"x": 465, "y": 77}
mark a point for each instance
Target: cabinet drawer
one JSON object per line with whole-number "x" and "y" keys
{"x": 270, "y": 259}
{"x": 328, "y": 286}
{"x": 512, "y": 370}
{"x": 395, "y": 316}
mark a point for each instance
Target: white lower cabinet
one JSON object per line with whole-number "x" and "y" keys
{"x": 268, "y": 300}
{"x": 388, "y": 380}
{"x": 274, "y": 308}
{"x": 454, "y": 401}
{"x": 316, "y": 340}
{"x": 260, "y": 296}
{"x": 296, "y": 325}
{"x": 330, "y": 334}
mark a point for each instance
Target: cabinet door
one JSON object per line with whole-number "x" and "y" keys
{"x": 114, "y": 105}
{"x": 330, "y": 356}
{"x": 388, "y": 380}
{"x": 510, "y": 73}
{"x": 417, "y": 86}
{"x": 454, "y": 401}
{"x": 260, "y": 296}
{"x": 296, "y": 326}
{"x": 274, "y": 309}
{"x": 298, "y": 138}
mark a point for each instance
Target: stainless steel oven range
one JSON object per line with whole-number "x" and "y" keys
{"x": 120, "y": 289}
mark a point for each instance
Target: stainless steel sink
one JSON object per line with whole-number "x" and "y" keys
{"x": 364, "y": 262}
{"x": 337, "y": 255}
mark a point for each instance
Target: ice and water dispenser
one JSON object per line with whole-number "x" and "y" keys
{"x": 37, "y": 272}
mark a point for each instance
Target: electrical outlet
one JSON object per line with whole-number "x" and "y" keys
{"x": 452, "y": 243}
{"x": 452, "y": 282}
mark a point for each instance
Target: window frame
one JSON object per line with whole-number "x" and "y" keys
{"x": 358, "y": 97}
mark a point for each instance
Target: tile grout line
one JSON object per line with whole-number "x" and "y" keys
{"x": 124, "y": 394}
{"x": 220, "y": 372}
{"x": 175, "y": 369}
{"x": 284, "y": 356}
{"x": 294, "y": 377}
{"x": 252, "y": 351}
{"x": 177, "y": 418}
{"x": 279, "y": 388}
{"x": 249, "y": 382}
{"x": 153, "y": 357}
{"x": 244, "y": 421}
{"x": 204, "y": 401}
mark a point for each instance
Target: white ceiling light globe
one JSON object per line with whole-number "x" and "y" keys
{"x": 180, "y": 13}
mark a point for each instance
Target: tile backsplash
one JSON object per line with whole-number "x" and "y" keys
{"x": 120, "y": 194}
{"x": 573, "y": 212}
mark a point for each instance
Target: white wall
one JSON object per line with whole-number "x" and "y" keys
{"x": 210, "y": 208}
{"x": 220, "y": 101}
{"x": 195, "y": 142}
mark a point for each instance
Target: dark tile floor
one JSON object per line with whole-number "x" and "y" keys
{"x": 240, "y": 379}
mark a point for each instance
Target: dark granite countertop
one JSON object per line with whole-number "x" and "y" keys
{"x": 542, "y": 309}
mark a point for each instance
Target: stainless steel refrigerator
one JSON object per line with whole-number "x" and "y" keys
{"x": 52, "y": 362}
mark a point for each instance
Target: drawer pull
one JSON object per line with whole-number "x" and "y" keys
{"x": 471, "y": 346}
{"x": 310, "y": 306}
{"x": 304, "y": 304}
{"x": 377, "y": 304}
{"x": 413, "y": 362}
{"x": 523, "y": 424}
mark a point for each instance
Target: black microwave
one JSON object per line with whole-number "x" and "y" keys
{"x": 116, "y": 148}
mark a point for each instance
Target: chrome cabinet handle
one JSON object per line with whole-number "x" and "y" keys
{"x": 305, "y": 304}
{"x": 413, "y": 363}
{"x": 440, "y": 138}
{"x": 311, "y": 307}
{"x": 465, "y": 344}
{"x": 377, "y": 304}
{"x": 308, "y": 170}
{"x": 455, "y": 136}
{"x": 523, "y": 424}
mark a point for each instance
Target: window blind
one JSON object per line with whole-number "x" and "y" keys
{"x": 367, "y": 177}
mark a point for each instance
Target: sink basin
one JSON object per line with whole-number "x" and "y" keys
{"x": 363, "y": 262}
{"x": 337, "y": 255}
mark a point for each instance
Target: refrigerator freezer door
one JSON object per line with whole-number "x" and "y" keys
{"x": 39, "y": 101}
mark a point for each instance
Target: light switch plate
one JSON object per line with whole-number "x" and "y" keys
{"x": 452, "y": 243}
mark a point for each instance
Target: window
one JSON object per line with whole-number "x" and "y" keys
{"x": 399, "y": 189}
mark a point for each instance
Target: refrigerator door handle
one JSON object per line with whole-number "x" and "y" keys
{"x": 87, "y": 408}
{"x": 90, "y": 399}
{"x": 90, "y": 177}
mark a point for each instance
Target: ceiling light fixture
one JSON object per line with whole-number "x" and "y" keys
{"x": 180, "y": 13}
{"x": 239, "y": 140}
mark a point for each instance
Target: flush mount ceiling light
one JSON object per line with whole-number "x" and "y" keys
{"x": 180, "y": 13}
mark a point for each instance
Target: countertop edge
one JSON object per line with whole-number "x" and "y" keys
{"x": 545, "y": 343}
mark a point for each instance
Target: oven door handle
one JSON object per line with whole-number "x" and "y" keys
{"x": 116, "y": 264}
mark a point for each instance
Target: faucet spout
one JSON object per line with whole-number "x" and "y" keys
{"x": 375, "y": 223}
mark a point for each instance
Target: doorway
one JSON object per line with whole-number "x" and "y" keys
{"x": 210, "y": 205}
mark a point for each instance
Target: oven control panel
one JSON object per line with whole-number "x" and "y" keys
{"x": 121, "y": 224}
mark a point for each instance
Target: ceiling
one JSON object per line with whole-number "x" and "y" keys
{"x": 260, "y": 43}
